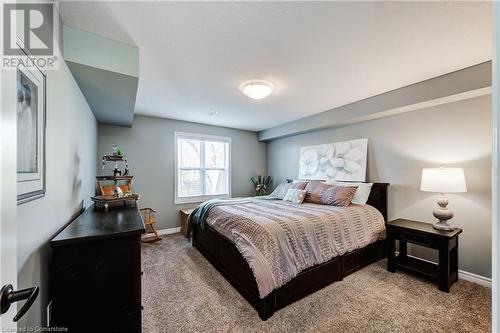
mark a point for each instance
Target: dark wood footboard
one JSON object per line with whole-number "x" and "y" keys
{"x": 226, "y": 258}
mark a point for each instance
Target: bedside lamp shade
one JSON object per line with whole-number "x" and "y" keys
{"x": 443, "y": 180}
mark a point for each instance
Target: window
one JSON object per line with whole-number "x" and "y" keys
{"x": 202, "y": 167}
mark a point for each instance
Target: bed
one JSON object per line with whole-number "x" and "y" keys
{"x": 216, "y": 243}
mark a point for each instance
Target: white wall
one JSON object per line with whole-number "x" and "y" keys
{"x": 454, "y": 134}
{"x": 70, "y": 170}
{"x": 8, "y": 209}
{"x": 496, "y": 168}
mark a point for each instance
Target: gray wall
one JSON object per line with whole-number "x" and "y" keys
{"x": 149, "y": 147}
{"x": 471, "y": 81}
{"x": 70, "y": 171}
{"x": 455, "y": 134}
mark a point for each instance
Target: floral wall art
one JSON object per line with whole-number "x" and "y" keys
{"x": 343, "y": 161}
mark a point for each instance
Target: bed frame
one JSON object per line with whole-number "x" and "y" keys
{"x": 226, "y": 258}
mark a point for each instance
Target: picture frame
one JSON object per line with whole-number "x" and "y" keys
{"x": 338, "y": 161}
{"x": 31, "y": 132}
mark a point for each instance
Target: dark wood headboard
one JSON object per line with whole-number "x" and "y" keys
{"x": 378, "y": 198}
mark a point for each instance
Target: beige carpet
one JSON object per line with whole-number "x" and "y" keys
{"x": 182, "y": 292}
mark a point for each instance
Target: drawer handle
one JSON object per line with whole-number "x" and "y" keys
{"x": 422, "y": 240}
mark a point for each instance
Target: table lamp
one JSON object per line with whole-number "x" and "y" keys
{"x": 443, "y": 180}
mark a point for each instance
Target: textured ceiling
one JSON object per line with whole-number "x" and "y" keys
{"x": 319, "y": 55}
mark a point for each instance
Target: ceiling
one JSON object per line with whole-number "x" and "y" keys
{"x": 319, "y": 55}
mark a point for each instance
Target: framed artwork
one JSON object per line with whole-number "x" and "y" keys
{"x": 31, "y": 117}
{"x": 342, "y": 161}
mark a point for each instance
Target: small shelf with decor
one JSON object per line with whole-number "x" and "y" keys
{"x": 105, "y": 200}
{"x": 115, "y": 178}
{"x": 113, "y": 158}
{"x": 116, "y": 188}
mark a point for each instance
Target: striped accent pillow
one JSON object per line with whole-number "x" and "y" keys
{"x": 282, "y": 188}
{"x": 327, "y": 194}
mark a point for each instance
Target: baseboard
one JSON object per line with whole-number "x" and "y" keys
{"x": 169, "y": 231}
{"x": 463, "y": 275}
{"x": 163, "y": 232}
{"x": 481, "y": 280}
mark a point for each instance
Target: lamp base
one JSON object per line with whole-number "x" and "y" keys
{"x": 443, "y": 214}
{"x": 443, "y": 225}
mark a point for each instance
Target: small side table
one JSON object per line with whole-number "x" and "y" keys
{"x": 184, "y": 218}
{"x": 446, "y": 242}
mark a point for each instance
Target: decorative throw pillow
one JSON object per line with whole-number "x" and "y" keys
{"x": 327, "y": 194}
{"x": 295, "y": 196}
{"x": 362, "y": 193}
{"x": 282, "y": 188}
{"x": 299, "y": 185}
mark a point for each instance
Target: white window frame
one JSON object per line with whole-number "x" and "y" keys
{"x": 201, "y": 137}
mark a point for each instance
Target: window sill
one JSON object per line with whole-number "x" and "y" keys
{"x": 191, "y": 200}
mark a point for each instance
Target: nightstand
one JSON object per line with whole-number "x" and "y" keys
{"x": 184, "y": 218}
{"x": 446, "y": 242}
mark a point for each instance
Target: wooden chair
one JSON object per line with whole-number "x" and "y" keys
{"x": 148, "y": 215}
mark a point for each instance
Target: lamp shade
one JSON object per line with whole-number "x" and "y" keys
{"x": 443, "y": 180}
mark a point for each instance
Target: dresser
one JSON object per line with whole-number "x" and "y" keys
{"x": 95, "y": 276}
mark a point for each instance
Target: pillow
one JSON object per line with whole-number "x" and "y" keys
{"x": 295, "y": 196}
{"x": 290, "y": 180}
{"x": 282, "y": 188}
{"x": 298, "y": 185}
{"x": 329, "y": 194}
{"x": 362, "y": 193}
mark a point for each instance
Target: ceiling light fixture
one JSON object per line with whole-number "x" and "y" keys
{"x": 257, "y": 89}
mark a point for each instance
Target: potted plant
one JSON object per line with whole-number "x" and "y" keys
{"x": 262, "y": 184}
